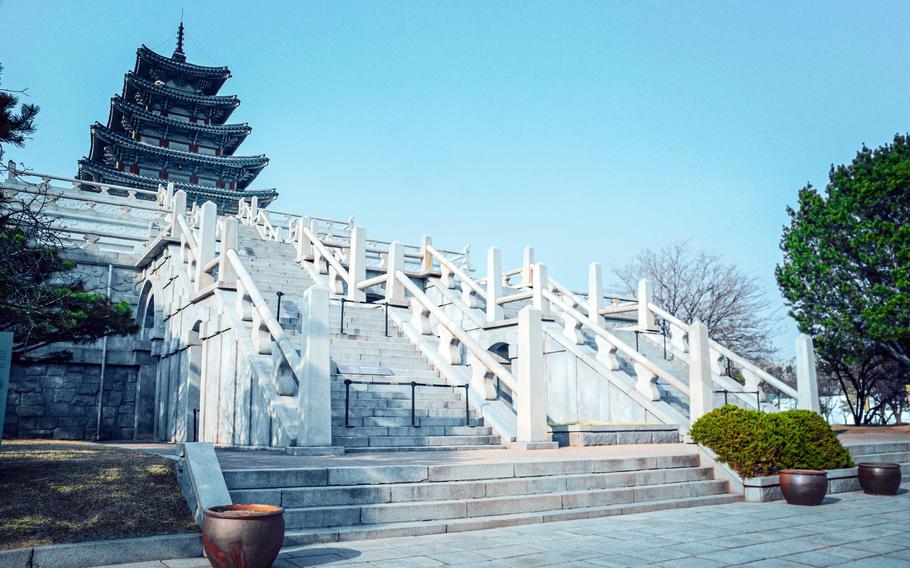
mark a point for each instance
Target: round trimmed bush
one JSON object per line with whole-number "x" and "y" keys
{"x": 758, "y": 443}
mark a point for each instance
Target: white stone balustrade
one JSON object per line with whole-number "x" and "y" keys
{"x": 531, "y": 395}
{"x": 494, "y": 284}
{"x": 701, "y": 383}
{"x": 646, "y": 320}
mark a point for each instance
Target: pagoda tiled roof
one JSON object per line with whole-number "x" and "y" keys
{"x": 146, "y": 60}
{"x": 237, "y": 132}
{"x": 131, "y": 80}
{"x": 251, "y": 163}
{"x": 265, "y": 196}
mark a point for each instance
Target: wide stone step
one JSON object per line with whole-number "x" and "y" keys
{"x": 368, "y": 431}
{"x": 391, "y": 530}
{"x": 412, "y": 473}
{"x": 424, "y": 403}
{"x": 472, "y": 489}
{"x": 889, "y": 457}
{"x": 404, "y": 421}
{"x": 348, "y": 515}
{"x": 446, "y": 448}
{"x": 400, "y": 393}
{"x": 878, "y": 448}
{"x": 413, "y": 441}
{"x": 419, "y": 413}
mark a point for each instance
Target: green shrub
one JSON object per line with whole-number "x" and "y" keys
{"x": 758, "y": 443}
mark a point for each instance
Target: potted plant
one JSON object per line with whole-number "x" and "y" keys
{"x": 804, "y": 486}
{"x": 797, "y": 445}
{"x": 879, "y": 478}
{"x": 243, "y": 536}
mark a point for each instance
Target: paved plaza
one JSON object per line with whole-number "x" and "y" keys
{"x": 850, "y": 529}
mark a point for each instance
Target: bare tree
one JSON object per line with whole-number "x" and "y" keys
{"x": 694, "y": 284}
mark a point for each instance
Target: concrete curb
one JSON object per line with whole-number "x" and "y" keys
{"x": 104, "y": 552}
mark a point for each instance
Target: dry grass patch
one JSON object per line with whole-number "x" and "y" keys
{"x": 52, "y": 492}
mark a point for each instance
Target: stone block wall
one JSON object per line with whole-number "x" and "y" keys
{"x": 61, "y": 401}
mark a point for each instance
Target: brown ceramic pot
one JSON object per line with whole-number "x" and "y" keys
{"x": 880, "y": 478}
{"x": 803, "y": 486}
{"x": 243, "y": 536}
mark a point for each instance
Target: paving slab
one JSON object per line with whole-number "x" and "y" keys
{"x": 855, "y": 530}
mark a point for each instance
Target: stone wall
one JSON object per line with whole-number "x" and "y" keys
{"x": 60, "y": 400}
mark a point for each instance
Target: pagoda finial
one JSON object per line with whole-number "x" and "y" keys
{"x": 179, "y": 55}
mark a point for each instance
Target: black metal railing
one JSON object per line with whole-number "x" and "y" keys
{"x": 726, "y": 392}
{"x": 345, "y": 300}
{"x": 413, "y": 385}
{"x": 662, "y": 333}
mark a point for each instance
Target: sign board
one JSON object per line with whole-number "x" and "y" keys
{"x": 6, "y": 360}
{"x": 348, "y": 370}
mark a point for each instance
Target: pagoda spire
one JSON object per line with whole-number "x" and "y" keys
{"x": 179, "y": 55}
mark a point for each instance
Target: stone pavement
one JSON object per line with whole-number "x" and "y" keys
{"x": 850, "y": 529}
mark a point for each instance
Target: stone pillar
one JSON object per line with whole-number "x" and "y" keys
{"x": 207, "y": 226}
{"x": 315, "y": 392}
{"x": 304, "y": 246}
{"x": 494, "y": 284}
{"x": 531, "y": 399}
{"x": 701, "y": 386}
{"x": 526, "y": 264}
{"x": 595, "y": 291}
{"x": 394, "y": 291}
{"x": 645, "y": 297}
{"x": 254, "y": 209}
{"x": 357, "y": 265}
{"x": 179, "y": 208}
{"x": 806, "y": 379}
{"x": 426, "y": 263}
{"x": 539, "y": 282}
{"x": 230, "y": 240}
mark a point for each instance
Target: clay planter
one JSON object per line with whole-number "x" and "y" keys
{"x": 243, "y": 536}
{"x": 803, "y": 486}
{"x": 880, "y": 478}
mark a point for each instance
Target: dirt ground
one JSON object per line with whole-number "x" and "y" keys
{"x": 53, "y": 492}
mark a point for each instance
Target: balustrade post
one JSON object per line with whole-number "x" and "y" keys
{"x": 314, "y": 393}
{"x": 394, "y": 291}
{"x": 304, "y": 246}
{"x": 527, "y": 264}
{"x": 531, "y": 399}
{"x": 645, "y": 299}
{"x": 426, "y": 262}
{"x": 494, "y": 284}
{"x": 207, "y": 225}
{"x": 806, "y": 378}
{"x": 254, "y": 209}
{"x": 540, "y": 283}
{"x": 595, "y": 292}
{"x": 230, "y": 240}
{"x": 701, "y": 385}
{"x": 179, "y": 208}
{"x": 357, "y": 265}
{"x": 169, "y": 194}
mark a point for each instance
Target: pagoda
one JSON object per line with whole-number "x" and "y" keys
{"x": 170, "y": 125}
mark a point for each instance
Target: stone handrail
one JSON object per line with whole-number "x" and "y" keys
{"x": 678, "y": 329}
{"x": 422, "y": 307}
{"x": 647, "y": 372}
{"x": 266, "y": 320}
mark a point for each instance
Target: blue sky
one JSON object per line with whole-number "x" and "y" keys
{"x": 588, "y": 129}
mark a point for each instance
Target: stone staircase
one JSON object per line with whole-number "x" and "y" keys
{"x": 379, "y": 415}
{"x": 883, "y": 452}
{"x": 451, "y": 494}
